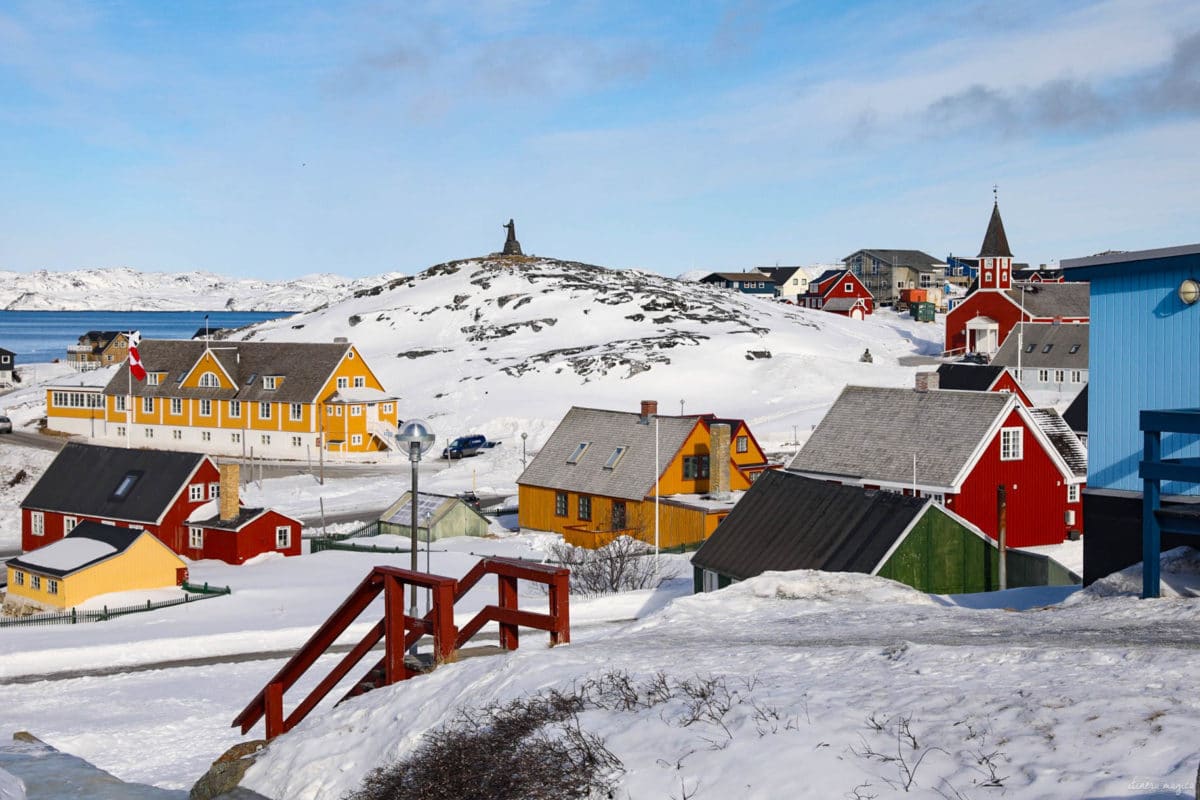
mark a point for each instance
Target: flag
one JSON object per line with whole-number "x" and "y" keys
{"x": 135, "y": 361}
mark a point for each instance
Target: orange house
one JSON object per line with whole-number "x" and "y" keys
{"x": 600, "y": 472}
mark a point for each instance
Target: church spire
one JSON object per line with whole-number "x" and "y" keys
{"x": 995, "y": 241}
{"x": 995, "y": 257}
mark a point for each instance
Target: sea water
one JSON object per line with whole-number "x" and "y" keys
{"x": 41, "y": 336}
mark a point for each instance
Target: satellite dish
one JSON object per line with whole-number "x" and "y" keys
{"x": 416, "y": 430}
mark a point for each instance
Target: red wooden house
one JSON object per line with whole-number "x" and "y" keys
{"x": 839, "y": 292}
{"x": 956, "y": 447}
{"x": 981, "y": 322}
{"x": 173, "y": 495}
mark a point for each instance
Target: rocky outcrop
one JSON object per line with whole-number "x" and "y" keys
{"x": 222, "y": 779}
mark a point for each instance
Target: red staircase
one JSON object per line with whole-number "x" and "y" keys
{"x": 399, "y": 632}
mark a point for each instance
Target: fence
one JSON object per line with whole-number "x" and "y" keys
{"x": 74, "y": 616}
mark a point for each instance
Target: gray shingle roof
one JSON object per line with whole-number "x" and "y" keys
{"x": 1032, "y": 339}
{"x": 304, "y": 366}
{"x": 82, "y": 478}
{"x": 917, "y": 260}
{"x": 842, "y": 303}
{"x": 634, "y": 475}
{"x": 1063, "y": 438}
{"x": 787, "y": 522}
{"x": 872, "y": 433}
{"x": 1049, "y": 300}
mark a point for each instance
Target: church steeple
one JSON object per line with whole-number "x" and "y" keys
{"x": 995, "y": 257}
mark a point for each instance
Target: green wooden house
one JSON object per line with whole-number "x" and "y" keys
{"x": 789, "y": 522}
{"x": 438, "y": 516}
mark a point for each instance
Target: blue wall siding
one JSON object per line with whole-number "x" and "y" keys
{"x": 1145, "y": 354}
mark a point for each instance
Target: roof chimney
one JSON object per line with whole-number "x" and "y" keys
{"x": 649, "y": 409}
{"x": 927, "y": 381}
{"x": 718, "y": 460}
{"x": 229, "y": 491}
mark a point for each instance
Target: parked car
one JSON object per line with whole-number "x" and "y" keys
{"x": 466, "y": 446}
{"x": 975, "y": 358}
{"x": 5, "y": 425}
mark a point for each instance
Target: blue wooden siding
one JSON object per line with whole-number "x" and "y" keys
{"x": 1145, "y": 354}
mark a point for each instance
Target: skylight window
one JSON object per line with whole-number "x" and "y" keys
{"x": 1029, "y": 348}
{"x": 615, "y": 458}
{"x": 1046, "y": 349}
{"x": 1074, "y": 349}
{"x": 578, "y": 454}
{"x": 126, "y": 485}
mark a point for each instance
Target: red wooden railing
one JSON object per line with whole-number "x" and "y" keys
{"x": 399, "y": 631}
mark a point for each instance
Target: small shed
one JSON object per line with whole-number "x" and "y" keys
{"x": 93, "y": 559}
{"x": 789, "y": 522}
{"x": 438, "y": 516}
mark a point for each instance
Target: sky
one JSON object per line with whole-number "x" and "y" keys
{"x": 278, "y": 139}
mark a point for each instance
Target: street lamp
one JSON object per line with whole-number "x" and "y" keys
{"x": 524, "y": 436}
{"x": 418, "y": 437}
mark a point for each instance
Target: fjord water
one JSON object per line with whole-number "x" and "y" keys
{"x": 39, "y": 336}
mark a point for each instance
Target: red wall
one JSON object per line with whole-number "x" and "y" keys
{"x": 1006, "y": 382}
{"x": 1036, "y": 505}
{"x": 838, "y": 289}
{"x": 982, "y": 303}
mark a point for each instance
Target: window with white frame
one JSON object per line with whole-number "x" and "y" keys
{"x": 270, "y": 382}
{"x": 1076, "y": 376}
{"x": 337, "y": 411}
{"x": 19, "y": 577}
{"x": 283, "y": 536}
{"x": 264, "y": 410}
{"x": 120, "y": 430}
{"x": 235, "y": 408}
{"x": 356, "y": 411}
{"x": 235, "y": 437}
{"x": 265, "y": 438}
{"x": 1072, "y": 492}
{"x": 359, "y": 382}
{"x": 214, "y": 490}
{"x": 153, "y": 378}
{"x": 206, "y": 436}
{"x": 69, "y": 524}
{"x": 387, "y": 408}
{"x": 149, "y": 433}
{"x": 296, "y": 412}
{"x": 196, "y": 492}
{"x": 195, "y": 537}
{"x": 119, "y": 402}
{"x": 176, "y": 406}
{"x": 206, "y": 408}
{"x": 1043, "y": 376}
{"x": 356, "y": 439}
{"x": 35, "y": 582}
{"x": 209, "y": 380}
{"x": 147, "y": 405}
{"x": 1011, "y": 444}
{"x": 297, "y": 441}
{"x": 1060, "y": 376}
{"x": 742, "y": 444}
{"x": 343, "y": 383}
{"x": 51, "y": 586}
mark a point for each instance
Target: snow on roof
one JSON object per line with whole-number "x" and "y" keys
{"x": 206, "y": 511}
{"x": 362, "y": 394}
{"x": 89, "y": 379}
{"x": 67, "y": 554}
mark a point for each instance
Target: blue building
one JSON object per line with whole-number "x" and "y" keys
{"x": 1144, "y": 356}
{"x": 744, "y": 282}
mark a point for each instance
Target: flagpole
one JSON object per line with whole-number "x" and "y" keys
{"x": 129, "y": 395}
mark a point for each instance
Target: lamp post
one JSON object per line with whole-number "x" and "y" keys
{"x": 524, "y": 436}
{"x": 418, "y": 437}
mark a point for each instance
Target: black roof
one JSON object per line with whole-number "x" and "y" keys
{"x": 1076, "y": 415}
{"x": 995, "y": 241}
{"x": 83, "y": 479}
{"x": 972, "y": 377}
{"x": 787, "y": 521}
{"x": 120, "y": 539}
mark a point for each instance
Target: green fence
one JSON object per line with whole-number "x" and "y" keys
{"x": 194, "y": 594}
{"x": 334, "y": 540}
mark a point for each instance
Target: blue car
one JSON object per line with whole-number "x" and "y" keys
{"x": 465, "y": 446}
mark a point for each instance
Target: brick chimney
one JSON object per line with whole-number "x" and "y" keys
{"x": 718, "y": 460}
{"x": 229, "y": 491}
{"x": 649, "y": 409}
{"x": 927, "y": 381}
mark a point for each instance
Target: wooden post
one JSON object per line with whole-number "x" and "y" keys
{"x": 1002, "y": 535}
{"x": 560, "y": 608}
{"x": 274, "y": 703}
{"x": 393, "y": 630}
{"x": 444, "y": 630}
{"x": 508, "y": 601}
{"x": 1151, "y": 534}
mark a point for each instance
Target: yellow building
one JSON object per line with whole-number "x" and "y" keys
{"x": 275, "y": 399}
{"x": 93, "y": 559}
{"x": 597, "y": 477}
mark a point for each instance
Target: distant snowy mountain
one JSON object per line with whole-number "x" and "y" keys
{"x": 123, "y": 289}
{"x": 505, "y": 345}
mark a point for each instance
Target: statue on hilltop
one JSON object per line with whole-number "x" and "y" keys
{"x": 511, "y": 246}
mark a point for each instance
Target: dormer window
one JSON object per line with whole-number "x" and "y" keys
{"x": 615, "y": 458}
{"x": 578, "y": 453}
{"x": 271, "y": 381}
{"x": 154, "y": 378}
{"x": 209, "y": 380}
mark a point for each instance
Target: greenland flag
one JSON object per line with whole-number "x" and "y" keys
{"x": 135, "y": 360}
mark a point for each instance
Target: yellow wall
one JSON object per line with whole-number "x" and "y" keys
{"x": 208, "y": 363}
{"x": 147, "y": 564}
{"x": 676, "y": 525}
{"x": 697, "y": 444}
{"x": 67, "y": 412}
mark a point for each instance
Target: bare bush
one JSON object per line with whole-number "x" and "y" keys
{"x": 624, "y": 565}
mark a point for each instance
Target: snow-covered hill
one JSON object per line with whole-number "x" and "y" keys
{"x": 506, "y": 345}
{"x": 123, "y": 289}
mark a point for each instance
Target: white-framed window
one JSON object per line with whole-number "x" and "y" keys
{"x": 235, "y": 408}
{"x": 206, "y": 408}
{"x": 270, "y": 382}
{"x": 283, "y": 537}
{"x": 359, "y": 381}
{"x": 1043, "y": 376}
{"x": 209, "y": 380}
{"x": 195, "y": 537}
{"x": 196, "y": 492}
{"x": 51, "y": 586}
{"x": 849, "y": 287}
{"x": 35, "y": 582}
{"x": 176, "y": 434}
{"x": 206, "y": 436}
{"x": 899, "y": 284}
{"x": 343, "y": 383}
{"x": 1011, "y": 444}
{"x": 176, "y": 406}
{"x": 356, "y": 411}
{"x": 1060, "y": 376}
{"x": 147, "y": 405}
{"x": 69, "y": 524}
{"x": 296, "y": 412}
{"x": 297, "y": 441}
{"x": 387, "y": 408}
{"x": 235, "y": 437}
{"x": 356, "y": 439}
{"x": 337, "y": 411}
{"x": 19, "y": 577}
{"x": 264, "y": 410}
{"x": 214, "y": 490}
{"x": 987, "y": 277}
{"x": 615, "y": 458}
{"x": 742, "y": 444}
{"x": 149, "y": 432}
{"x": 120, "y": 430}
{"x": 265, "y": 438}
{"x": 119, "y": 402}
{"x": 939, "y": 498}
{"x": 153, "y": 378}
{"x": 1076, "y": 376}
{"x": 578, "y": 452}
{"x": 1072, "y": 492}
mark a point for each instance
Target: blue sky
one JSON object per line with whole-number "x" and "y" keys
{"x": 277, "y": 139}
